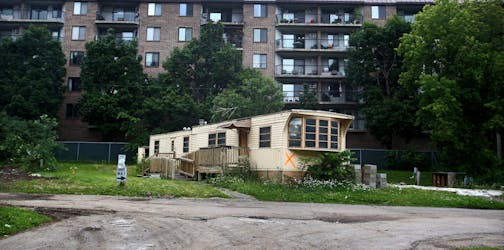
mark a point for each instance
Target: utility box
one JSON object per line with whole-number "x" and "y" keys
{"x": 122, "y": 170}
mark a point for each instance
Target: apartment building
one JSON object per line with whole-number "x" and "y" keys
{"x": 296, "y": 42}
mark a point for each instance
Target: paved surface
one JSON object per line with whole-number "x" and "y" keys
{"x": 106, "y": 222}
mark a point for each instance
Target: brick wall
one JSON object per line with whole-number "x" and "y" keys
{"x": 169, "y": 22}
{"x": 249, "y": 47}
{"x": 73, "y": 128}
{"x": 390, "y": 10}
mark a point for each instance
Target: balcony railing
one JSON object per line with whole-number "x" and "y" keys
{"x": 234, "y": 18}
{"x": 117, "y": 16}
{"x": 119, "y": 38}
{"x": 235, "y": 41}
{"x": 323, "y": 96}
{"x": 343, "y": 18}
{"x": 34, "y": 15}
{"x": 308, "y": 70}
{"x": 310, "y": 44}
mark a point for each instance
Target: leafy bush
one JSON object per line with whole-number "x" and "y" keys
{"x": 405, "y": 160}
{"x": 28, "y": 143}
{"x": 329, "y": 166}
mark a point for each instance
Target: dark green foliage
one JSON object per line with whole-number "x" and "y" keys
{"x": 330, "y": 166}
{"x": 405, "y": 160}
{"x": 374, "y": 66}
{"x": 309, "y": 98}
{"x": 26, "y": 142}
{"x": 114, "y": 84}
{"x": 204, "y": 67}
{"x": 255, "y": 95}
{"x": 31, "y": 74}
{"x": 454, "y": 56}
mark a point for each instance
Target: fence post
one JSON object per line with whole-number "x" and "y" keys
{"x": 78, "y": 150}
{"x": 109, "y": 149}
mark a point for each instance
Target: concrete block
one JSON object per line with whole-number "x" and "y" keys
{"x": 358, "y": 173}
{"x": 381, "y": 180}
{"x": 369, "y": 175}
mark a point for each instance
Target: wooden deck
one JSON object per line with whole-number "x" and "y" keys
{"x": 212, "y": 160}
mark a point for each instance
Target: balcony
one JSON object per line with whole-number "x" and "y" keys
{"x": 47, "y": 14}
{"x": 288, "y": 70}
{"x": 299, "y": 43}
{"x": 227, "y": 16}
{"x": 117, "y": 16}
{"x": 329, "y": 93}
{"x": 310, "y": 17}
{"x": 124, "y": 37}
{"x": 234, "y": 37}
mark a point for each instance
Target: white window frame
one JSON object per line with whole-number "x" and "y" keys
{"x": 154, "y": 9}
{"x": 375, "y": 12}
{"x": 182, "y": 34}
{"x": 260, "y": 10}
{"x": 80, "y": 8}
{"x": 78, "y": 33}
{"x": 260, "y": 61}
{"x": 184, "y": 9}
{"x": 149, "y": 59}
{"x": 153, "y": 34}
{"x": 258, "y": 35}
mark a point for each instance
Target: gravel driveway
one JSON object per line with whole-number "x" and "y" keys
{"x": 107, "y": 222}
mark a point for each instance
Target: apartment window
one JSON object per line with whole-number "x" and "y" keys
{"x": 185, "y": 34}
{"x": 154, "y": 9}
{"x": 152, "y": 59}
{"x": 80, "y": 8}
{"x": 186, "y": 9}
{"x": 76, "y": 57}
{"x": 217, "y": 139}
{"x": 78, "y": 33}
{"x": 153, "y": 34}
{"x": 260, "y": 35}
{"x": 265, "y": 137}
{"x": 378, "y": 12}
{"x": 74, "y": 84}
{"x": 186, "y": 144}
{"x": 260, "y": 10}
{"x": 156, "y": 147}
{"x": 259, "y": 61}
{"x": 313, "y": 133}
{"x": 71, "y": 111}
{"x": 172, "y": 146}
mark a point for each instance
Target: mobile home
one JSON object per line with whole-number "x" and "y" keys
{"x": 272, "y": 143}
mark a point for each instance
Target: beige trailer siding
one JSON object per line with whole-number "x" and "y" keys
{"x": 277, "y": 122}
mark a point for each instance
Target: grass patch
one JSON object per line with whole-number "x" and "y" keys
{"x": 99, "y": 179}
{"x": 385, "y": 196}
{"x": 398, "y": 176}
{"x": 13, "y": 220}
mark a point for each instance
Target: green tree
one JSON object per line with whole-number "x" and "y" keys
{"x": 114, "y": 84}
{"x": 31, "y": 74}
{"x": 29, "y": 143}
{"x": 254, "y": 95}
{"x": 374, "y": 66}
{"x": 204, "y": 67}
{"x": 454, "y": 56}
{"x": 308, "y": 100}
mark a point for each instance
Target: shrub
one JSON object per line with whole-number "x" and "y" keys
{"x": 28, "y": 143}
{"x": 329, "y": 166}
{"x": 405, "y": 160}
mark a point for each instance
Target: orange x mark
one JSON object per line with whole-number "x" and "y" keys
{"x": 289, "y": 160}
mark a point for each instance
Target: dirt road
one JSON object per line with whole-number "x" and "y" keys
{"x": 105, "y": 222}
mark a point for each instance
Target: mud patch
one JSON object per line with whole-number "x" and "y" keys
{"x": 11, "y": 174}
{"x": 92, "y": 229}
{"x": 65, "y": 213}
{"x": 353, "y": 219}
{"x": 24, "y": 196}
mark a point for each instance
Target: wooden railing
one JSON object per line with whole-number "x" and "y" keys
{"x": 218, "y": 156}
